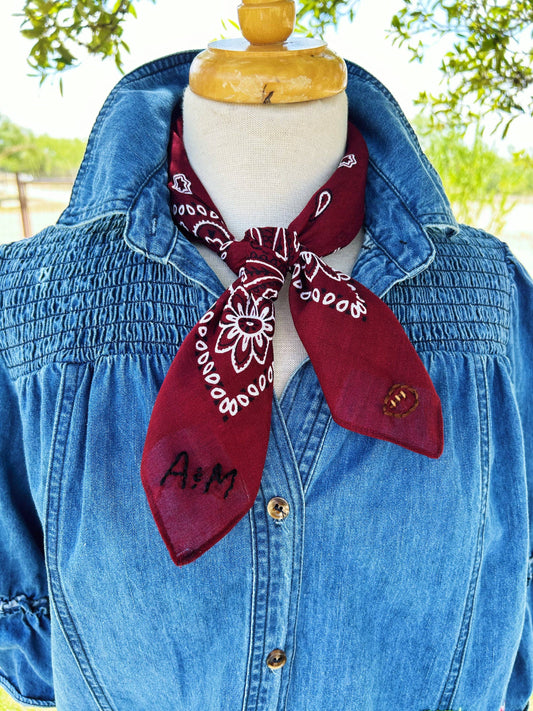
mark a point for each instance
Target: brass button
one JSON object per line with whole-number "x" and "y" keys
{"x": 278, "y": 508}
{"x": 276, "y": 659}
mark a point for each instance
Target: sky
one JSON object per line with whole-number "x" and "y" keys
{"x": 170, "y": 26}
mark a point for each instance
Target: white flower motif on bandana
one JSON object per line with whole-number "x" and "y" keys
{"x": 246, "y": 329}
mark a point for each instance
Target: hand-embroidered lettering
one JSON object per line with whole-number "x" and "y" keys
{"x": 180, "y": 469}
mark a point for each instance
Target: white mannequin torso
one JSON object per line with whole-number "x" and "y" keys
{"x": 261, "y": 164}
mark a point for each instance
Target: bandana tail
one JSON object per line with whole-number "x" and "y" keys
{"x": 372, "y": 377}
{"x": 201, "y": 474}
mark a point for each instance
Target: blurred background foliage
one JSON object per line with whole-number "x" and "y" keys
{"x": 482, "y": 185}
{"x": 40, "y": 156}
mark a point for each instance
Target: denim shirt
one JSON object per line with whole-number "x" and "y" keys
{"x": 396, "y": 582}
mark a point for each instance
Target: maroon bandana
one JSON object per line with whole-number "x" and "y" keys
{"x": 208, "y": 435}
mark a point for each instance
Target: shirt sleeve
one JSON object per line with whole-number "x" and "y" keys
{"x": 25, "y": 659}
{"x": 521, "y": 356}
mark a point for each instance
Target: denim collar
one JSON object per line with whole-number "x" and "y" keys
{"x": 125, "y": 171}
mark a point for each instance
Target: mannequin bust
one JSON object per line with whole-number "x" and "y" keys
{"x": 261, "y": 163}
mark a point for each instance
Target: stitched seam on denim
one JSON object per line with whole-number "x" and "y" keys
{"x": 87, "y": 276}
{"x": 462, "y": 338}
{"x": 393, "y": 189}
{"x": 62, "y": 278}
{"x": 112, "y": 305}
{"x": 85, "y": 354}
{"x": 298, "y": 484}
{"x": 128, "y": 241}
{"x": 472, "y": 244}
{"x": 290, "y": 637}
{"x": 260, "y": 608}
{"x": 112, "y": 206}
{"x": 529, "y": 570}
{"x": 292, "y": 453}
{"x": 309, "y": 454}
{"x": 483, "y": 286}
{"x": 479, "y": 243}
{"x": 452, "y": 683}
{"x": 261, "y": 687}
{"x": 87, "y": 328}
{"x": 261, "y": 703}
{"x": 89, "y": 219}
{"x": 79, "y": 328}
{"x": 462, "y": 342}
{"x": 189, "y": 278}
{"x": 253, "y": 601}
{"x": 80, "y": 351}
{"x": 44, "y": 243}
{"x": 86, "y": 357}
{"x": 26, "y": 260}
{"x": 168, "y": 260}
{"x": 88, "y": 160}
{"x": 312, "y": 411}
{"x": 111, "y": 357}
{"x": 440, "y": 304}
{"x": 480, "y": 344}
{"x": 26, "y": 700}
{"x": 440, "y": 215}
{"x": 296, "y": 608}
{"x": 444, "y": 320}
{"x": 454, "y": 288}
{"x": 65, "y": 405}
{"x": 484, "y": 273}
{"x": 462, "y": 256}
{"x": 292, "y": 386}
{"x": 318, "y": 455}
{"x": 513, "y": 289}
{"x": 296, "y": 593}
{"x": 296, "y": 604}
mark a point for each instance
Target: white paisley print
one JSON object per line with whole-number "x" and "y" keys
{"x": 246, "y": 329}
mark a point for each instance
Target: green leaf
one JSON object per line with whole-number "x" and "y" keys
{"x": 34, "y": 33}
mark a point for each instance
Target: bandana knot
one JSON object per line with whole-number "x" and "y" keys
{"x": 263, "y": 258}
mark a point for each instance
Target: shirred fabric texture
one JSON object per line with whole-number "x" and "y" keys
{"x": 395, "y": 581}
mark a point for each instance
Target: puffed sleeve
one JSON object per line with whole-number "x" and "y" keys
{"x": 25, "y": 660}
{"x": 521, "y": 357}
